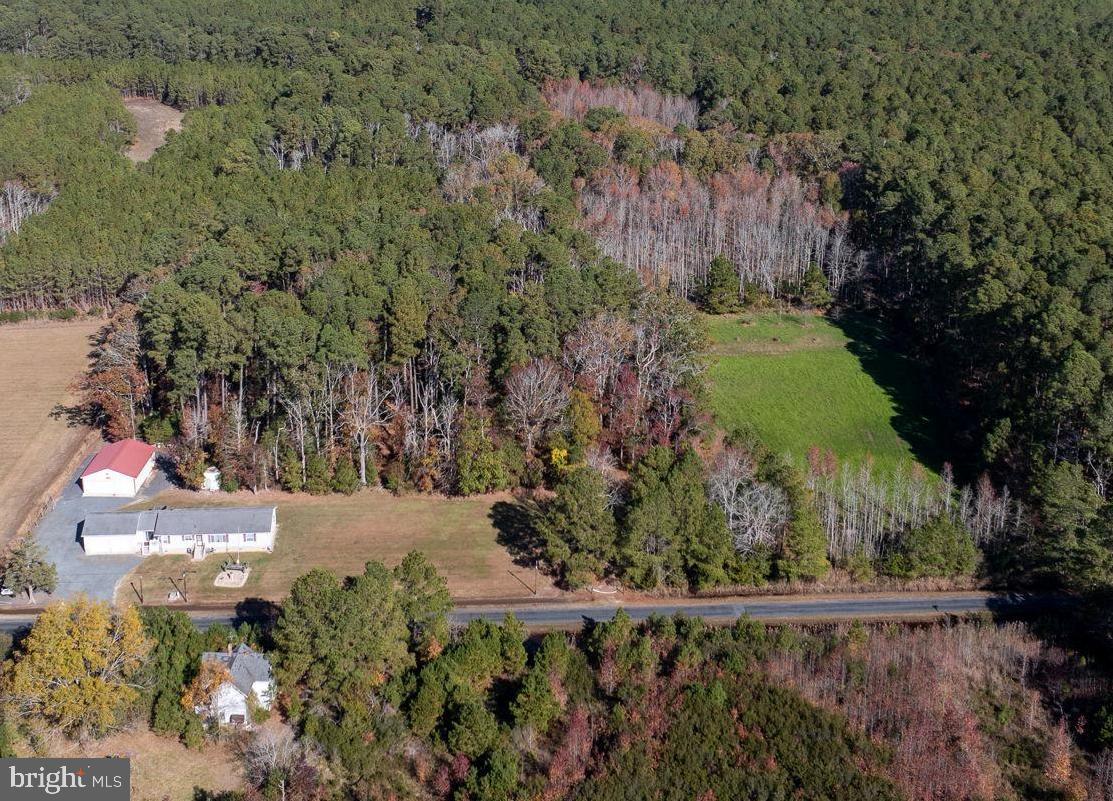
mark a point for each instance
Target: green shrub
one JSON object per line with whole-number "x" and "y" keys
{"x": 345, "y": 479}
{"x": 938, "y": 548}
{"x": 317, "y": 478}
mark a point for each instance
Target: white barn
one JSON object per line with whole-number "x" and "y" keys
{"x": 179, "y": 531}
{"x": 119, "y": 470}
{"x": 251, "y": 678}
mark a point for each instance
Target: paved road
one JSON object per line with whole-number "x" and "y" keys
{"x": 58, "y": 532}
{"x": 818, "y": 607}
{"x": 542, "y": 616}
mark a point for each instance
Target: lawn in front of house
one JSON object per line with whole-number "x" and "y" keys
{"x": 463, "y": 537}
{"x": 804, "y": 380}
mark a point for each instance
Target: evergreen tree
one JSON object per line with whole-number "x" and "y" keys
{"x": 940, "y": 547}
{"x": 672, "y": 534}
{"x": 479, "y": 466}
{"x": 291, "y": 470}
{"x": 425, "y": 600}
{"x": 317, "y": 478}
{"x": 345, "y": 479}
{"x": 577, "y": 528}
{"x": 803, "y": 553}
{"x": 813, "y": 289}
{"x": 721, "y": 295}
{"x": 26, "y": 570}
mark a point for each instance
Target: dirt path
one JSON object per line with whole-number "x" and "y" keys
{"x": 153, "y": 120}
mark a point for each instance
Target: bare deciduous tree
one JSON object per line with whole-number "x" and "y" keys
{"x": 364, "y": 412}
{"x": 756, "y": 512}
{"x": 536, "y": 397}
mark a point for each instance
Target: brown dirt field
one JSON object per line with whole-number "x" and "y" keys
{"x": 38, "y": 362}
{"x": 163, "y": 768}
{"x": 342, "y": 533}
{"x": 153, "y": 120}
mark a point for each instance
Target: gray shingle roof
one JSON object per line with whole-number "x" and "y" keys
{"x": 220, "y": 520}
{"x": 246, "y": 665}
{"x": 110, "y": 524}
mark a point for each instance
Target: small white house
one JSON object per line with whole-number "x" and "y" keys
{"x": 179, "y": 531}
{"x": 119, "y": 470}
{"x": 251, "y": 678}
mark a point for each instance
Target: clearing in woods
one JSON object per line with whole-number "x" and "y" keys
{"x": 152, "y": 121}
{"x": 803, "y": 379}
{"x": 38, "y": 362}
{"x": 463, "y": 537}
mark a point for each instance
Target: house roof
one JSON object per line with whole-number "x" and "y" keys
{"x": 102, "y": 524}
{"x": 127, "y": 457}
{"x": 245, "y": 664}
{"x": 234, "y": 520}
{"x": 220, "y": 520}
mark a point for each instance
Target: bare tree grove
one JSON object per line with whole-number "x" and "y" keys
{"x": 574, "y": 98}
{"x": 668, "y": 226}
{"x": 17, "y": 203}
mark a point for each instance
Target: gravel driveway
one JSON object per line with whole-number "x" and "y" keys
{"x": 94, "y": 576}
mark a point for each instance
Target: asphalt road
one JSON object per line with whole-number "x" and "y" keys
{"x": 541, "y": 616}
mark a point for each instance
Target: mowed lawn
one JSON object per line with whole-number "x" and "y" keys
{"x": 802, "y": 380}
{"x": 342, "y": 533}
{"x": 38, "y": 363}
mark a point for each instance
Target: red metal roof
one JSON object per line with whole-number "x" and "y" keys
{"x": 128, "y": 456}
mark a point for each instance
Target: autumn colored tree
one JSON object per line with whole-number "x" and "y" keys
{"x": 198, "y": 694}
{"x": 79, "y": 668}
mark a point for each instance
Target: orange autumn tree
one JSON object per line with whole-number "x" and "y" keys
{"x": 199, "y": 693}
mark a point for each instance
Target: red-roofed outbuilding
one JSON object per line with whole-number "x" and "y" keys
{"x": 119, "y": 469}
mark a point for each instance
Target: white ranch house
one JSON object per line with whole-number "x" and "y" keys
{"x": 181, "y": 531}
{"x": 251, "y": 678}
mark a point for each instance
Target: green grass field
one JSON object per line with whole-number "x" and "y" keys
{"x": 802, "y": 380}
{"x": 461, "y": 536}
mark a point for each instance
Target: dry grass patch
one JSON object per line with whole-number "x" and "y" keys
{"x": 38, "y": 361}
{"x": 153, "y": 120}
{"x": 161, "y": 767}
{"x": 342, "y": 533}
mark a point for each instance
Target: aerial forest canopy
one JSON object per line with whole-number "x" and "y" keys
{"x": 457, "y": 242}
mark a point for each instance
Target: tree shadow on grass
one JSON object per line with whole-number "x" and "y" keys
{"x": 905, "y": 384}
{"x": 516, "y": 532}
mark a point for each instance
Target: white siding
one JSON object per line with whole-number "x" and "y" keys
{"x": 105, "y": 544}
{"x": 263, "y": 692}
{"x": 228, "y": 701}
{"x": 110, "y": 484}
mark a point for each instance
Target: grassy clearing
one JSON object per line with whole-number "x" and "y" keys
{"x": 38, "y": 363}
{"x": 161, "y": 767}
{"x": 804, "y": 380}
{"x": 153, "y": 120}
{"x": 462, "y": 536}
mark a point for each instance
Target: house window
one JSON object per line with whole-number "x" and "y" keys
{"x": 186, "y": 537}
{"x": 249, "y": 536}
{"x": 218, "y": 538}
{"x": 164, "y": 539}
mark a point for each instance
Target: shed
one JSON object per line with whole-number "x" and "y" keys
{"x": 119, "y": 470}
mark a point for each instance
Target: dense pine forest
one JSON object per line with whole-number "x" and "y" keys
{"x": 466, "y": 246}
{"x": 457, "y": 247}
